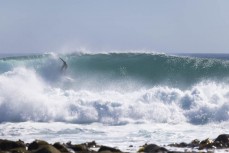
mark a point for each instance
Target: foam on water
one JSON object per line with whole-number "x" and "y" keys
{"x": 116, "y": 136}
{"x": 111, "y": 99}
{"x": 24, "y": 96}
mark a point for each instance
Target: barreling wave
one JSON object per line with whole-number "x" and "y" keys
{"x": 146, "y": 69}
{"x": 114, "y": 89}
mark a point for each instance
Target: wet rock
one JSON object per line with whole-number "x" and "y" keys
{"x": 46, "y": 149}
{"x": 206, "y": 144}
{"x": 195, "y": 143}
{"x": 223, "y": 138}
{"x": 109, "y": 149}
{"x": 91, "y": 144}
{"x": 60, "y": 147}
{"x": 8, "y": 145}
{"x": 79, "y": 147}
{"x": 222, "y": 141}
{"x": 19, "y": 150}
{"x": 180, "y": 145}
{"x": 218, "y": 144}
{"x": 153, "y": 148}
{"x": 36, "y": 144}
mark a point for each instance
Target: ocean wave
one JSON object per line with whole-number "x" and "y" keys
{"x": 137, "y": 69}
{"x": 26, "y": 96}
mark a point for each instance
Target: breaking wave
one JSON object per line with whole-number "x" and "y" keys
{"x": 114, "y": 89}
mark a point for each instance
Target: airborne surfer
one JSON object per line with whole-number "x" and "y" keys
{"x": 64, "y": 66}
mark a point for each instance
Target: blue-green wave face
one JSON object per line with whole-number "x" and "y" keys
{"x": 116, "y": 88}
{"x": 151, "y": 69}
{"x": 124, "y": 69}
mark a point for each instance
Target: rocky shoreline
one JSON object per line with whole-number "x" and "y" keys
{"x": 40, "y": 146}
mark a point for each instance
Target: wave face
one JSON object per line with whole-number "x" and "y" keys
{"x": 105, "y": 69}
{"x": 114, "y": 89}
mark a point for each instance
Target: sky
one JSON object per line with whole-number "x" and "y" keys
{"x": 170, "y": 26}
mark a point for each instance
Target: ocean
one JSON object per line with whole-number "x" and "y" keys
{"x": 116, "y": 99}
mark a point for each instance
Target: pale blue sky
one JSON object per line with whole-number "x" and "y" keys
{"x": 105, "y": 25}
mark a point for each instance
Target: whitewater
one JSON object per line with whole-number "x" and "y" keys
{"x": 117, "y": 99}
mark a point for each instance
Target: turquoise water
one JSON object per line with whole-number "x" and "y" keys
{"x": 126, "y": 98}
{"x": 142, "y": 69}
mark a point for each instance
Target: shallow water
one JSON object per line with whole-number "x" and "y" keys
{"x": 116, "y": 136}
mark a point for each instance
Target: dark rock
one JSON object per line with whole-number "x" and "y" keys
{"x": 153, "y": 148}
{"x": 46, "y": 149}
{"x": 60, "y": 147}
{"x": 19, "y": 150}
{"x": 206, "y": 144}
{"x": 183, "y": 144}
{"x": 40, "y": 146}
{"x": 36, "y": 144}
{"x": 69, "y": 143}
{"x": 218, "y": 144}
{"x": 90, "y": 144}
{"x": 8, "y": 145}
{"x": 223, "y": 138}
{"x": 195, "y": 143}
{"x": 180, "y": 145}
{"x": 105, "y": 148}
{"x": 79, "y": 147}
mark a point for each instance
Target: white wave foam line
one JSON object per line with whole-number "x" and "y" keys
{"x": 24, "y": 96}
{"x": 83, "y": 51}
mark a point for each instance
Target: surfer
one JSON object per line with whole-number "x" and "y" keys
{"x": 64, "y": 66}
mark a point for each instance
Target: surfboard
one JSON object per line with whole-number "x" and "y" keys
{"x": 68, "y": 79}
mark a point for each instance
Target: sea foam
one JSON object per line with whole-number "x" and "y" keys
{"x": 25, "y": 96}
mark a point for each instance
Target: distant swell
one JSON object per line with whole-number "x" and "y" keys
{"x": 114, "y": 89}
